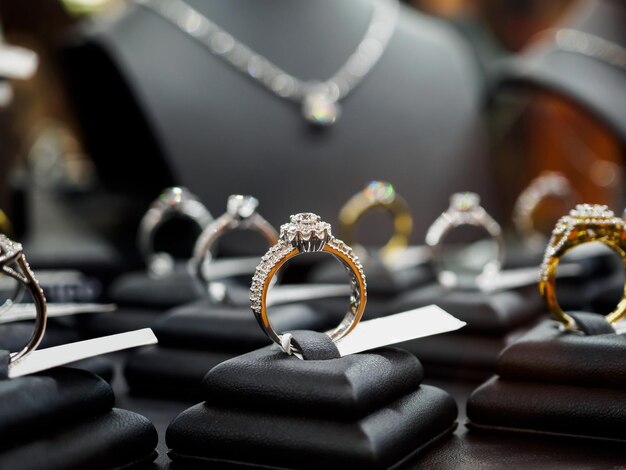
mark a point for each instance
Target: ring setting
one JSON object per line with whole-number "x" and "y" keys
{"x": 307, "y": 233}
{"x": 584, "y": 224}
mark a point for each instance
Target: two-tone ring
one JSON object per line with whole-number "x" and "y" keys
{"x": 465, "y": 209}
{"x": 585, "y": 224}
{"x": 307, "y": 233}
{"x": 173, "y": 203}
{"x": 241, "y": 214}
{"x": 377, "y": 194}
{"x": 13, "y": 264}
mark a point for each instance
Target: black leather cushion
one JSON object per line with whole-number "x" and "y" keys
{"x": 487, "y": 313}
{"x": 548, "y": 354}
{"x": 113, "y": 440}
{"x": 167, "y": 372}
{"x": 314, "y": 346}
{"x": 138, "y": 289}
{"x": 379, "y": 440}
{"x": 540, "y": 407}
{"x": 347, "y": 387}
{"x": 201, "y": 325}
{"x": 44, "y": 403}
{"x": 121, "y": 320}
{"x": 380, "y": 280}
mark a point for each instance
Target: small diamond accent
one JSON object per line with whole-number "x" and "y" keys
{"x": 241, "y": 206}
{"x": 464, "y": 202}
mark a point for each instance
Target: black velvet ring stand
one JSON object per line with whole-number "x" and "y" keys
{"x": 493, "y": 319}
{"x": 195, "y": 337}
{"x": 557, "y": 382}
{"x": 267, "y": 409}
{"x": 64, "y": 419}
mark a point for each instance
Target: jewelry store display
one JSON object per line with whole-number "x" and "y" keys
{"x": 307, "y": 233}
{"x": 547, "y": 184}
{"x": 465, "y": 209}
{"x": 173, "y": 202}
{"x": 584, "y": 224}
{"x": 13, "y": 263}
{"x": 319, "y": 100}
{"x": 241, "y": 214}
{"x": 377, "y": 194}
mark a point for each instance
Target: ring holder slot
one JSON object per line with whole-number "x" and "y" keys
{"x": 197, "y": 336}
{"x": 72, "y": 423}
{"x": 557, "y": 382}
{"x": 364, "y": 410}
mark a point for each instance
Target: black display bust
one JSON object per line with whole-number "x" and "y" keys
{"x": 186, "y": 117}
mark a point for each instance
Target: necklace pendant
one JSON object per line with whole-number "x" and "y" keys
{"x": 320, "y": 109}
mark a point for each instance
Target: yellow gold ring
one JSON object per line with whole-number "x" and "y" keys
{"x": 584, "y": 224}
{"x": 306, "y": 233}
{"x": 377, "y": 194}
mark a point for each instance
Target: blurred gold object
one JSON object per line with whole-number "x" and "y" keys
{"x": 377, "y": 194}
{"x": 585, "y": 224}
{"x": 6, "y": 227}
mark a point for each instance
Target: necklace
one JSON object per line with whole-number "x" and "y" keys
{"x": 319, "y": 100}
{"x": 572, "y": 40}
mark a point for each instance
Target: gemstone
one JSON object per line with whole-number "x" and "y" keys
{"x": 173, "y": 196}
{"x": 318, "y": 108}
{"x": 242, "y": 206}
{"x": 591, "y": 211}
{"x": 380, "y": 192}
{"x": 305, "y": 226}
{"x": 464, "y": 202}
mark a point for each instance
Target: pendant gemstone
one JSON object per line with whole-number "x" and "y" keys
{"x": 320, "y": 109}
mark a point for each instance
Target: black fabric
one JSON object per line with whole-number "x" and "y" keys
{"x": 348, "y": 387}
{"x": 359, "y": 411}
{"x": 314, "y": 346}
{"x": 381, "y": 281}
{"x": 122, "y": 319}
{"x": 117, "y": 439}
{"x": 485, "y": 313}
{"x": 556, "y": 381}
{"x": 592, "y": 323}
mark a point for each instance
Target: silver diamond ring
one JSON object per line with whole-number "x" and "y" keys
{"x": 13, "y": 264}
{"x": 241, "y": 214}
{"x": 465, "y": 209}
{"x": 173, "y": 202}
{"x": 307, "y": 233}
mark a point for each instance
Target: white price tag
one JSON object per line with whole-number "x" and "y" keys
{"x": 418, "y": 323}
{"x": 44, "y": 359}
{"x": 20, "y": 312}
{"x": 521, "y": 277}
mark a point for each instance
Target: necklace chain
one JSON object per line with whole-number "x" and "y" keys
{"x": 572, "y": 40}
{"x": 319, "y": 99}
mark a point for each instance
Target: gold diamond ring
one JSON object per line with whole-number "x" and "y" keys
{"x": 584, "y": 224}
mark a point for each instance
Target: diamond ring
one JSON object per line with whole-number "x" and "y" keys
{"x": 13, "y": 264}
{"x": 241, "y": 214}
{"x": 307, "y": 233}
{"x": 172, "y": 203}
{"x": 377, "y": 194}
{"x": 584, "y": 224}
{"x": 547, "y": 184}
{"x": 465, "y": 209}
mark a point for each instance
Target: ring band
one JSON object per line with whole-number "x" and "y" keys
{"x": 547, "y": 184}
{"x": 241, "y": 213}
{"x": 13, "y": 263}
{"x": 465, "y": 209}
{"x": 173, "y": 202}
{"x": 377, "y": 194}
{"x": 306, "y": 233}
{"x": 585, "y": 224}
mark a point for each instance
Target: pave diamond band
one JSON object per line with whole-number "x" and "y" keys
{"x": 307, "y": 233}
{"x": 585, "y": 224}
{"x": 241, "y": 214}
{"x": 465, "y": 209}
{"x": 13, "y": 264}
{"x": 173, "y": 202}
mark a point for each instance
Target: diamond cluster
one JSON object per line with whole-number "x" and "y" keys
{"x": 305, "y": 232}
{"x": 582, "y": 214}
{"x": 8, "y": 248}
